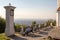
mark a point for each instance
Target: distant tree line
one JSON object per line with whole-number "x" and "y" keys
{"x": 33, "y": 26}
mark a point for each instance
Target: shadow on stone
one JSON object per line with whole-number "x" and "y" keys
{"x": 14, "y": 37}
{"x": 48, "y": 29}
{"x": 33, "y": 35}
{"x": 44, "y": 33}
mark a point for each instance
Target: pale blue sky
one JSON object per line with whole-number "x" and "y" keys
{"x": 31, "y": 9}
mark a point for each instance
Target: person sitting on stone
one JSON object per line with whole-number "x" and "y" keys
{"x": 28, "y": 30}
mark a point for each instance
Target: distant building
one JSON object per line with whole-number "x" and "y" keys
{"x": 58, "y": 14}
{"x": 55, "y": 33}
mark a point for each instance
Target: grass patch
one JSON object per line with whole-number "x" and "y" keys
{"x": 3, "y": 37}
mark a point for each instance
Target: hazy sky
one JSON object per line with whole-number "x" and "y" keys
{"x": 27, "y": 9}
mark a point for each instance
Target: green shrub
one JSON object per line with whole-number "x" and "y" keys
{"x": 2, "y": 25}
{"x": 50, "y": 38}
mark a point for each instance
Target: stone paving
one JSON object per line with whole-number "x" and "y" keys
{"x": 34, "y": 36}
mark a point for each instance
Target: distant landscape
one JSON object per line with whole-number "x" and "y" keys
{"x": 29, "y": 21}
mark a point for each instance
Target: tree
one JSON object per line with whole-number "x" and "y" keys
{"x": 34, "y": 22}
{"x": 17, "y": 27}
{"x": 41, "y": 25}
{"x": 37, "y": 27}
{"x": 24, "y": 27}
{"x": 48, "y": 22}
{"x": 2, "y": 25}
{"x": 51, "y": 21}
{"x": 33, "y": 26}
{"x": 54, "y": 23}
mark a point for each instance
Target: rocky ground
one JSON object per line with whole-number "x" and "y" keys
{"x": 43, "y": 33}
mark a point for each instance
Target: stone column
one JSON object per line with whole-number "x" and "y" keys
{"x": 9, "y": 30}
